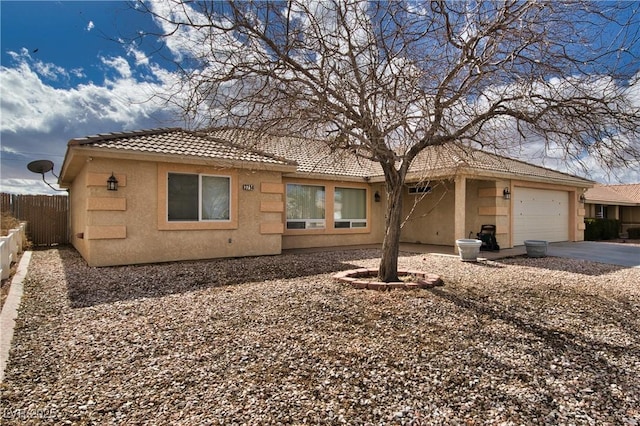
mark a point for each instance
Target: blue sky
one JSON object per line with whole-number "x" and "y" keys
{"x": 70, "y": 69}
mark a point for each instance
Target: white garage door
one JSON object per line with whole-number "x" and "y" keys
{"x": 540, "y": 214}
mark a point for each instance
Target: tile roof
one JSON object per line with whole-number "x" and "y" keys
{"x": 454, "y": 157}
{"x": 176, "y": 141}
{"x": 628, "y": 194}
{"x": 312, "y": 156}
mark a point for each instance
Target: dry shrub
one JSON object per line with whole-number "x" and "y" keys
{"x": 8, "y": 222}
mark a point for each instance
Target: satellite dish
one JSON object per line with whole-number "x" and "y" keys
{"x": 40, "y": 166}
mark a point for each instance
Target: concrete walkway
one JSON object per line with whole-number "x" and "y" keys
{"x": 10, "y": 311}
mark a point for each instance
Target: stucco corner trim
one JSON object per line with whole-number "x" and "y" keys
{"x": 490, "y": 192}
{"x": 105, "y": 232}
{"x": 493, "y": 211}
{"x": 272, "y": 228}
{"x": 272, "y": 188}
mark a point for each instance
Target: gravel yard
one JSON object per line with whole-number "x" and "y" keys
{"x": 274, "y": 340}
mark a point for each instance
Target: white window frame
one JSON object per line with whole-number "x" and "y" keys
{"x": 309, "y": 224}
{"x": 352, "y": 223}
{"x": 200, "y": 207}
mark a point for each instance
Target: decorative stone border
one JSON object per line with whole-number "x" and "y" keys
{"x": 354, "y": 278}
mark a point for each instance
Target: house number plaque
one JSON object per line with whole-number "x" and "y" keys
{"x": 247, "y": 187}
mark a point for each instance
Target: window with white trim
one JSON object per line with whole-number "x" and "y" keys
{"x": 305, "y": 206}
{"x": 350, "y": 208}
{"x": 198, "y": 198}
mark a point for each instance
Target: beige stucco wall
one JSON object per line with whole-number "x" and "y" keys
{"x": 78, "y": 213}
{"x": 486, "y": 205}
{"x": 430, "y": 217}
{"x": 129, "y": 226}
{"x": 127, "y": 229}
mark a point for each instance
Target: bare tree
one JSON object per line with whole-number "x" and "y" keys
{"x": 385, "y": 80}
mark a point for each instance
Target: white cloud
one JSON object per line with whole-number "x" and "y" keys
{"x": 120, "y": 64}
{"x": 140, "y": 57}
{"x": 33, "y": 105}
{"x": 31, "y": 186}
{"x": 37, "y": 119}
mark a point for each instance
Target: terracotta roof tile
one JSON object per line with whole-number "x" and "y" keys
{"x": 311, "y": 156}
{"x": 614, "y": 194}
{"x": 451, "y": 156}
{"x": 314, "y": 156}
{"x": 175, "y": 141}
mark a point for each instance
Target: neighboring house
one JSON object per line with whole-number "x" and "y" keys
{"x": 195, "y": 195}
{"x": 621, "y": 202}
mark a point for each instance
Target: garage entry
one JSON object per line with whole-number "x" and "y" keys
{"x": 540, "y": 214}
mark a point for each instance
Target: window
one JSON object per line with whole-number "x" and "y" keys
{"x": 193, "y": 198}
{"x": 601, "y": 211}
{"x": 419, "y": 190}
{"x": 305, "y": 206}
{"x": 350, "y": 208}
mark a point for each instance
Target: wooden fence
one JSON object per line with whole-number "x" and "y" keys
{"x": 47, "y": 216}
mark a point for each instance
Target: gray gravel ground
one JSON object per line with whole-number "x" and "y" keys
{"x": 274, "y": 340}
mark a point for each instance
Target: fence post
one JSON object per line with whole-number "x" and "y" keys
{"x": 5, "y": 257}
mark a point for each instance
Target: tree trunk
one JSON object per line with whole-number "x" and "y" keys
{"x": 388, "y": 270}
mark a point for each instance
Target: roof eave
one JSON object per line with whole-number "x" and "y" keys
{"x": 611, "y": 202}
{"x": 449, "y": 173}
{"x": 328, "y": 176}
{"x": 77, "y": 154}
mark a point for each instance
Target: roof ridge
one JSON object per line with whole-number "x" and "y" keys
{"x": 617, "y": 185}
{"x": 115, "y": 135}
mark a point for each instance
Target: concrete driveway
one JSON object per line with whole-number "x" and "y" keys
{"x": 597, "y": 251}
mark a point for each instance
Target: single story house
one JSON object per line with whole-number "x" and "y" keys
{"x": 195, "y": 195}
{"x": 621, "y": 202}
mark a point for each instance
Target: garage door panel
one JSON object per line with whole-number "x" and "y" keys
{"x": 540, "y": 215}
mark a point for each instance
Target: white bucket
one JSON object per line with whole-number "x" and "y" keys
{"x": 468, "y": 249}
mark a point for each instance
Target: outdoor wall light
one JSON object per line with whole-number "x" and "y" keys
{"x": 582, "y": 198}
{"x": 506, "y": 194}
{"x": 112, "y": 183}
{"x": 376, "y": 197}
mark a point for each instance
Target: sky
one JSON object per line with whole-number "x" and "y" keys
{"x": 64, "y": 74}
{"x": 70, "y": 69}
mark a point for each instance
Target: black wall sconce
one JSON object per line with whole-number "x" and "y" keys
{"x": 376, "y": 197}
{"x": 582, "y": 198}
{"x": 112, "y": 183}
{"x": 506, "y": 194}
